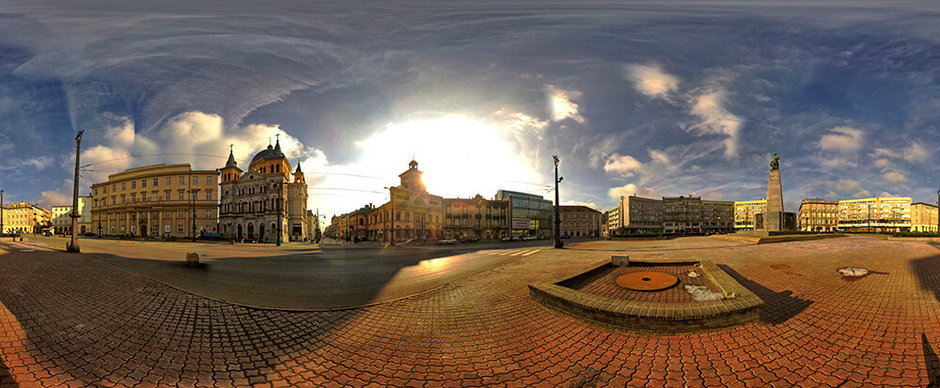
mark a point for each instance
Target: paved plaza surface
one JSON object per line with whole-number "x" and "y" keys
{"x": 80, "y": 320}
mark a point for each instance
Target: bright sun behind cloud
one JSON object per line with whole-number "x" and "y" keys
{"x": 461, "y": 157}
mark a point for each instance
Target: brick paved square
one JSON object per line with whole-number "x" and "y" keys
{"x": 79, "y": 320}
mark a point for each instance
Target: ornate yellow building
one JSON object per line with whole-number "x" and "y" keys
{"x": 257, "y": 203}
{"x": 411, "y": 214}
{"x": 161, "y": 200}
{"x": 818, "y": 215}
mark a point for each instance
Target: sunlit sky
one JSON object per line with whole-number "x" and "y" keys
{"x": 653, "y": 98}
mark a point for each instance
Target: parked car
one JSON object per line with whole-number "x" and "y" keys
{"x": 529, "y": 238}
{"x": 510, "y": 238}
{"x": 566, "y": 236}
{"x": 470, "y": 239}
{"x": 447, "y": 241}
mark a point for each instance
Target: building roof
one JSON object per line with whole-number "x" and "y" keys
{"x": 231, "y": 160}
{"x": 576, "y": 208}
{"x": 270, "y": 153}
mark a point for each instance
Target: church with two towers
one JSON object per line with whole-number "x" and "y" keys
{"x": 267, "y": 200}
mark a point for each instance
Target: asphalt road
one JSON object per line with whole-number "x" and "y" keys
{"x": 301, "y": 276}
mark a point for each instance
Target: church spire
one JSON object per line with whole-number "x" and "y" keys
{"x": 277, "y": 146}
{"x": 231, "y": 157}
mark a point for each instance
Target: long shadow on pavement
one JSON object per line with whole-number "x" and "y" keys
{"x": 5, "y": 379}
{"x": 927, "y": 271}
{"x": 104, "y": 326}
{"x": 778, "y": 306}
{"x": 931, "y": 363}
{"x": 332, "y": 279}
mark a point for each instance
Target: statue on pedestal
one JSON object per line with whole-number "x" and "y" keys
{"x": 775, "y": 163}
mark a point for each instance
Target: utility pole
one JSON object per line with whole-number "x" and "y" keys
{"x": 558, "y": 243}
{"x": 1, "y": 211}
{"x": 73, "y": 245}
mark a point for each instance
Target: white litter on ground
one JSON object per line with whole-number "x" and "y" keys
{"x": 701, "y": 293}
{"x": 693, "y": 274}
{"x": 852, "y": 271}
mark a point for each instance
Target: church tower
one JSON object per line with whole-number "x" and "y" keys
{"x": 271, "y": 161}
{"x": 299, "y": 175}
{"x": 413, "y": 179}
{"x": 231, "y": 171}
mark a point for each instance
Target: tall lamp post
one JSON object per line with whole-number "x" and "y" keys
{"x": 195, "y": 194}
{"x": 1, "y": 211}
{"x": 73, "y": 245}
{"x": 558, "y": 243}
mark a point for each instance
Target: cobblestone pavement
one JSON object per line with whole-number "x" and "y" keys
{"x": 76, "y": 320}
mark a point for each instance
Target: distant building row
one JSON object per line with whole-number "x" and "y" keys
{"x": 638, "y": 215}
{"x": 412, "y": 214}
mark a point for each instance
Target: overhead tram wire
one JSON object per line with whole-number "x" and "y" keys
{"x": 147, "y": 156}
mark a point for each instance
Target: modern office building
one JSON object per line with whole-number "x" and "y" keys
{"x": 878, "y": 214}
{"x": 530, "y": 215}
{"x": 717, "y": 216}
{"x": 161, "y": 200}
{"x": 635, "y": 215}
{"x": 744, "y": 212}
{"x": 682, "y": 214}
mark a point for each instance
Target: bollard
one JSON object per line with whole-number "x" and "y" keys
{"x": 192, "y": 259}
{"x": 620, "y": 261}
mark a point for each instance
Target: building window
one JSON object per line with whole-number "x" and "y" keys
{"x": 182, "y": 196}
{"x": 208, "y": 195}
{"x": 168, "y": 182}
{"x": 179, "y": 228}
{"x": 167, "y": 215}
{"x": 182, "y": 180}
{"x": 208, "y": 213}
{"x": 179, "y": 214}
{"x": 133, "y": 198}
{"x": 208, "y": 180}
{"x": 196, "y": 180}
{"x": 156, "y": 182}
{"x": 123, "y": 186}
{"x": 166, "y": 195}
{"x": 143, "y": 183}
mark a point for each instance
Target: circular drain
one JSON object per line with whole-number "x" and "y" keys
{"x": 647, "y": 281}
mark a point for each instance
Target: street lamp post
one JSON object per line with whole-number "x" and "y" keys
{"x": 73, "y": 245}
{"x": 194, "y": 193}
{"x": 558, "y": 243}
{"x": 1, "y": 211}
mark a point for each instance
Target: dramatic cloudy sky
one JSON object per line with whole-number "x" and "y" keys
{"x": 653, "y": 98}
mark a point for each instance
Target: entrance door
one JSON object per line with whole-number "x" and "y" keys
{"x": 251, "y": 231}
{"x": 261, "y": 232}
{"x": 240, "y": 231}
{"x": 143, "y": 230}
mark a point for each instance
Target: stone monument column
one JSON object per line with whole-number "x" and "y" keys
{"x": 773, "y": 211}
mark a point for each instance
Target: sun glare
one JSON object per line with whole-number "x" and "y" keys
{"x": 460, "y": 157}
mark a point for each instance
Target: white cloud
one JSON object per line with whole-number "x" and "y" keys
{"x": 894, "y": 177}
{"x": 561, "y": 104}
{"x": 651, "y": 80}
{"x": 61, "y": 196}
{"x": 660, "y": 157}
{"x": 916, "y": 153}
{"x": 623, "y": 164}
{"x": 715, "y": 119}
{"x": 591, "y": 205}
{"x": 632, "y": 189}
{"x": 844, "y": 139}
{"x": 882, "y": 163}
{"x": 847, "y": 187}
